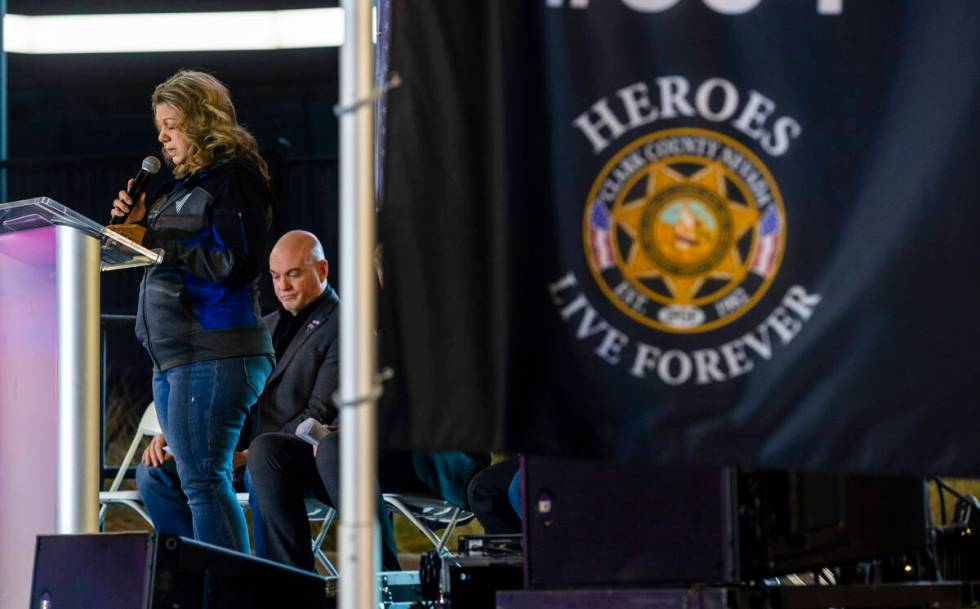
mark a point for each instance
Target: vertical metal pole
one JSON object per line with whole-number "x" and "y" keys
{"x": 358, "y": 531}
{"x": 77, "y": 262}
{"x": 103, "y": 396}
{"x": 3, "y": 105}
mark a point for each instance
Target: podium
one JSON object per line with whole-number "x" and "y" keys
{"x": 50, "y": 260}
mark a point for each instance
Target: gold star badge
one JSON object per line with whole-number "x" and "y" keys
{"x": 683, "y": 230}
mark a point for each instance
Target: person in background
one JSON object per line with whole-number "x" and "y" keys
{"x": 495, "y": 495}
{"x": 283, "y": 468}
{"x": 198, "y": 315}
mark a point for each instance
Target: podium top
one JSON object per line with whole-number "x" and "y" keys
{"x": 117, "y": 252}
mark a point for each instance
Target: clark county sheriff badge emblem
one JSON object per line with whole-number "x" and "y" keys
{"x": 684, "y": 230}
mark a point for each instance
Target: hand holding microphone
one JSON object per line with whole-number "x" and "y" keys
{"x": 123, "y": 208}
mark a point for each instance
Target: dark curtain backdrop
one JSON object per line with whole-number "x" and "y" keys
{"x": 685, "y": 236}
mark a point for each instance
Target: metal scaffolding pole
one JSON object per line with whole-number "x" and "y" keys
{"x": 357, "y": 399}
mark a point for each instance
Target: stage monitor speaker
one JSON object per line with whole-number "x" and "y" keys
{"x": 794, "y": 522}
{"x": 156, "y": 571}
{"x": 596, "y": 523}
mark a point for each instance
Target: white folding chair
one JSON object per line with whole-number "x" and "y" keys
{"x": 149, "y": 425}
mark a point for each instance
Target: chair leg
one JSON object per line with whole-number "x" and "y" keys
{"x": 325, "y": 562}
{"x": 318, "y": 541}
{"x": 136, "y": 506}
{"x": 450, "y": 527}
{"x": 404, "y": 511}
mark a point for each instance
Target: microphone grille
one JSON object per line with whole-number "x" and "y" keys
{"x": 151, "y": 164}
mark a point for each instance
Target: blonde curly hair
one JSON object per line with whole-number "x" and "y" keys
{"x": 208, "y": 120}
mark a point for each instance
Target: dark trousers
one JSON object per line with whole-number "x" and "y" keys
{"x": 488, "y": 498}
{"x": 283, "y": 472}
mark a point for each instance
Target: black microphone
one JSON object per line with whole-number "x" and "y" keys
{"x": 151, "y": 165}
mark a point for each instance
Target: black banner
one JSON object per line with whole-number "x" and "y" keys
{"x": 702, "y": 231}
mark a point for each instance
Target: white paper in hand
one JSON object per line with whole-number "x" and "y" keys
{"x": 312, "y": 431}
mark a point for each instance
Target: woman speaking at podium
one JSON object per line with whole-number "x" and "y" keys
{"x": 198, "y": 314}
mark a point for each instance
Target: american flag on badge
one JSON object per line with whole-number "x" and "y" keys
{"x": 765, "y": 255}
{"x": 602, "y": 253}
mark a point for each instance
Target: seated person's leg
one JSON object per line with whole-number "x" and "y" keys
{"x": 328, "y": 466}
{"x": 514, "y": 495}
{"x": 282, "y": 470}
{"x": 488, "y": 498}
{"x": 164, "y": 500}
{"x": 448, "y": 473}
{"x": 258, "y": 531}
{"x": 389, "y": 550}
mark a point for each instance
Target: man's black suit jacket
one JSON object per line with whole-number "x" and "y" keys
{"x": 310, "y": 360}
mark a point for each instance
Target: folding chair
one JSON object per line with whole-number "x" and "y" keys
{"x": 149, "y": 425}
{"x": 425, "y": 513}
{"x": 315, "y": 511}
{"x": 429, "y": 513}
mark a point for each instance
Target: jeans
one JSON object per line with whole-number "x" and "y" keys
{"x": 167, "y": 506}
{"x": 259, "y": 543}
{"x": 202, "y": 408}
{"x": 514, "y": 495}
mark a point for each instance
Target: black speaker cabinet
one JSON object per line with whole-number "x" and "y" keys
{"x": 155, "y": 571}
{"x": 793, "y": 522}
{"x": 595, "y": 523}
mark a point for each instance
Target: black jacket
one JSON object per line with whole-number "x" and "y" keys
{"x": 201, "y": 302}
{"x": 305, "y": 378}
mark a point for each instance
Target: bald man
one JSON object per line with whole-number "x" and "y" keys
{"x": 283, "y": 468}
{"x": 304, "y": 333}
